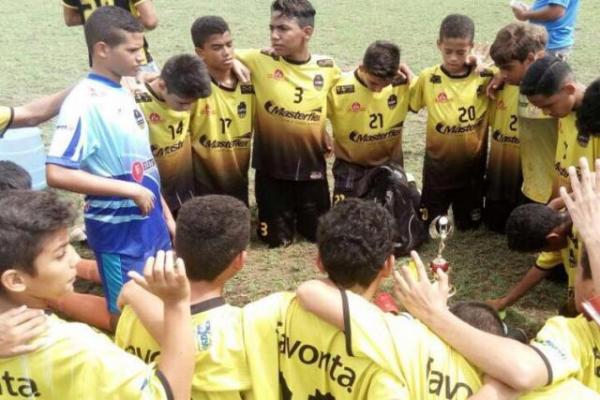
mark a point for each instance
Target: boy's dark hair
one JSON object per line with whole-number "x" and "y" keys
{"x": 528, "y": 226}
{"x": 13, "y": 176}
{"x": 588, "y": 113}
{"x": 545, "y": 77}
{"x": 302, "y": 10}
{"x": 457, "y": 26}
{"x": 479, "y": 315}
{"x": 516, "y": 41}
{"x": 205, "y": 26}
{"x": 211, "y": 231}
{"x": 106, "y": 25}
{"x": 354, "y": 239}
{"x": 584, "y": 261}
{"x": 382, "y": 59}
{"x": 186, "y": 76}
{"x": 27, "y": 218}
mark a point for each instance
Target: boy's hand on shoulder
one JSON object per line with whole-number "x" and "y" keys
{"x": 18, "y": 326}
{"x": 143, "y": 198}
{"x": 241, "y": 71}
{"x": 422, "y": 298}
{"x": 165, "y": 277}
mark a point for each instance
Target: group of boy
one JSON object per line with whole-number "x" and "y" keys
{"x": 268, "y": 349}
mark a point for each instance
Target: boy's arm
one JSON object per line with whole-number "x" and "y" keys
{"x": 18, "y": 326}
{"x": 168, "y": 216}
{"x": 493, "y": 389}
{"x": 147, "y": 13}
{"x": 146, "y": 306}
{"x": 584, "y": 208}
{"x": 514, "y": 363}
{"x": 165, "y": 277}
{"x": 71, "y": 13}
{"x": 79, "y": 181}
{"x": 38, "y": 110}
{"x": 551, "y": 12}
{"x": 323, "y": 299}
{"x": 534, "y": 276}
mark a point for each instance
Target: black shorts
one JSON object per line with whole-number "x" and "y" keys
{"x": 466, "y": 202}
{"x": 346, "y": 177}
{"x": 240, "y": 193}
{"x": 285, "y": 206}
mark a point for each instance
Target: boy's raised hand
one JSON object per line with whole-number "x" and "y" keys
{"x": 165, "y": 277}
{"x": 584, "y": 205}
{"x": 421, "y": 297}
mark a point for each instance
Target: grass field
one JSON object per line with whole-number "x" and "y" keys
{"x": 41, "y": 55}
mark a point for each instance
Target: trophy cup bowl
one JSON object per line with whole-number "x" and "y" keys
{"x": 440, "y": 228}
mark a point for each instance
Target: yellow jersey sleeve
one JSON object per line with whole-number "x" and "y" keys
{"x": 291, "y": 111}
{"x": 6, "y": 118}
{"x": 77, "y": 362}
{"x": 416, "y": 93}
{"x": 569, "y": 348}
{"x": 504, "y": 176}
{"x": 170, "y": 144}
{"x": 221, "y": 366}
{"x": 568, "y": 389}
{"x": 222, "y": 126}
{"x": 408, "y": 350}
{"x": 456, "y": 129}
{"x": 548, "y": 259}
{"x": 386, "y": 386}
{"x": 367, "y": 126}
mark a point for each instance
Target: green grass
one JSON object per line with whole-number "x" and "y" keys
{"x": 41, "y": 55}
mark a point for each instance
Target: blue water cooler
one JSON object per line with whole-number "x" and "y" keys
{"x": 25, "y": 148}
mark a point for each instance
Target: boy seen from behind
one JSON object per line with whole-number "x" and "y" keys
{"x": 75, "y": 361}
{"x": 290, "y": 140}
{"x": 456, "y": 142}
{"x": 101, "y": 149}
{"x": 367, "y": 109}
{"x": 222, "y": 124}
{"x": 166, "y": 103}
{"x": 213, "y": 232}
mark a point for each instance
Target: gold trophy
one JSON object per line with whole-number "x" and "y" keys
{"x": 441, "y": 228}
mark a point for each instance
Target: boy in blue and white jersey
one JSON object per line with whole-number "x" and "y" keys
{"x": 100, "y": 148}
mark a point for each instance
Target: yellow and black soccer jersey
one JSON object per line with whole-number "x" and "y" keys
{"x": 6, "y": 118}
{"x": 221, "y": 366}
{"x": 504, "y": 176}
{"x": 87, "y": 7}
{"x": 457, "y": 123}
{"x": 567, "y": 389}
{"x": 538, "y": 136}
{"x": 293, "y": 352}
{"x": 570, "y": 349}
{"x": 291, "y": 110}
{"x": 568, "y": 257}
{"x": 76, "y": 362}
{"x": 569, "y": 149}
{"x": 170, "y": 144}
{"x": 221, "y": 128}
{"x": 407, "y": 349}
{"x": 367, "y": 125}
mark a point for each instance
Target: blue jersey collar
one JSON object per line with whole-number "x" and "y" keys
{"x": 103, "y": 79}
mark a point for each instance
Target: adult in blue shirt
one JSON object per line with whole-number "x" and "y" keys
{"x": 558, "y": 17}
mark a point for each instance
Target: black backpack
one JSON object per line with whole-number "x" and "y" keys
{"x": 388, "y": 185}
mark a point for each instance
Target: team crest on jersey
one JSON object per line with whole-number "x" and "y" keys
{"x": 318, "y": 82}
{"x": 442, "y": 97}
{"x": 154, "y": 118}
{"x": 277, "y": 75}
{"x": 242, "y": 109}
{"x": 344, "y": 89}
{"x": 204, "y": 335}
{"x": 392, "y": 101}
{"x": 325, "y": 63}
{"x": 435, "y": 79}
{"x": 480, "y": 90}
{"x": 500, "y": 105}
{"x": 137, "y": 171}
{"x": 247, "y": 88}
{"x": 356, "y": 107}
{"x": 583, "y": 140}
{"x": 139, "y": 118}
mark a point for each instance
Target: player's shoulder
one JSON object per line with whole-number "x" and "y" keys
{"x": 486, "y": 72}
{"x": 432, "y": 75}
{"x": 347, "y": 84}
{"x": 142, "y": 95}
